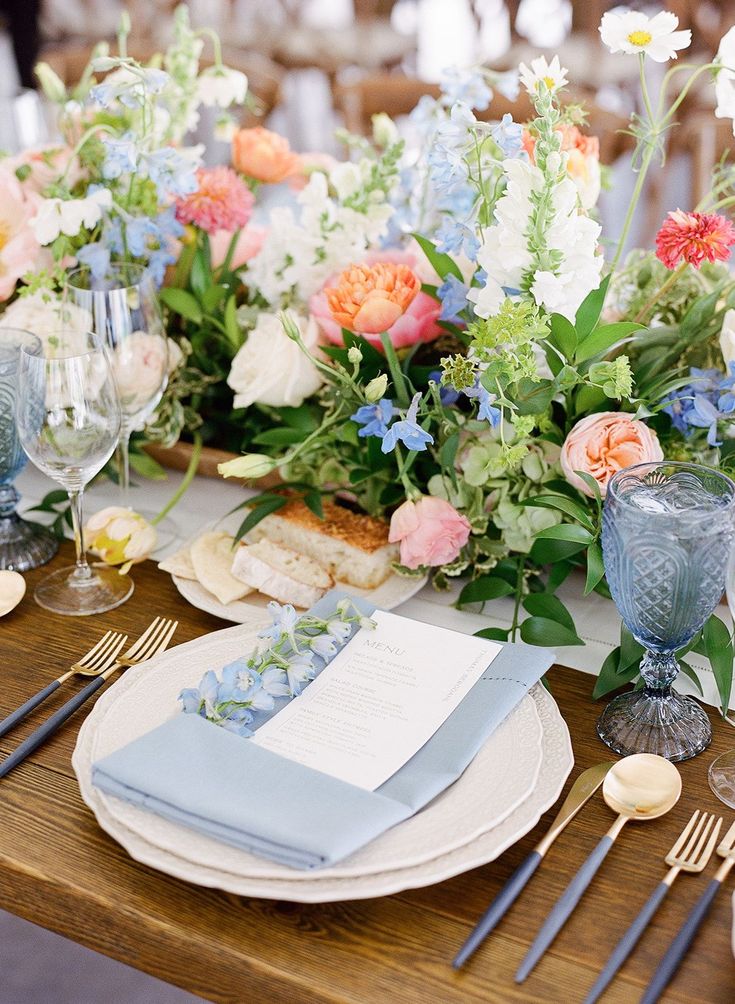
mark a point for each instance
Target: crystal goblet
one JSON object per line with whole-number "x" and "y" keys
{"x": 666, "y": 539}
{"x": 23, "y": 545}
{"x": 721, "y": 774}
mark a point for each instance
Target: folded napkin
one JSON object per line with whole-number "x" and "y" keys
{"x": 204, "y": 777}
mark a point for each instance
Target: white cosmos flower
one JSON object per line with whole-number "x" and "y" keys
{"x": 553, "y": 74}
{"x": 725, "y": 79}
{"x": 220, "y": 87}
{"x": 633, "y": 32}
{"x": 68, "y": 216}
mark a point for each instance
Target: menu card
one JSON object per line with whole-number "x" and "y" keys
{"x": 379, "y": 700}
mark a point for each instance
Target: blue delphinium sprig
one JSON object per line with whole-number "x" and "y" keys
{"x": 703, "y": 403}
{"x": 298, "y": 646}
{"x": 407, "y": 431}
{"x": 374, "y": 418}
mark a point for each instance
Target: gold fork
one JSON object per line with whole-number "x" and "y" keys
{"x": 700, "y": 836}
{"x": 153, "y": 640}
{"x": 99, "y": 658}
{"x": 680, "y": 945}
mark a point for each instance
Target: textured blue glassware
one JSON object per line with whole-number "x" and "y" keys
{"x": 23, "y": 545}
{"x": 667, "y": 534}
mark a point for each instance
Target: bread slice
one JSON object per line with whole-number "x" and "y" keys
{"x": 179, "y": 564}
{"x": 353, "y": 548}
{"x": 212, "y": 556}
{"x": 279, "y": 572}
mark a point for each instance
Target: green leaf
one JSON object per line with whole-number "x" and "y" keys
{"x": 546, "y": 605}
{"x": 182, "y": 302}
{"x": 260, "y": 511}
{"x": 449, "y": 451}
{"x": 698, "y": 315}
{"x": 562, "y": 504}
{"x": 231, "y": 326}
{"x": 212, "y": 297}
{"x": 494, "y": 634}
{"x": 563, "y": 336}
{"x": 300, "y": 418}
{"x": 595, "y": 567}
{"x": 442, "y": 264}
{"x": 200, "y": 276}
{"x": 543, "y": 631}
{"x": 592, "y": 483}
{"x": 559, "y": 572}
{"x": 631, "y": 652}
{"x": 718, "y": 644}
{"x": 313, "y": 501}
{"x": 532, "y": 397}
{"x": 556, "y": 543}
{"x": 487, "y": 587}
{"x": 609, "y": 678}
{"x": 146, "y": 466}
{"x": 590, "y": 309}
{"x": 278, "y": 437}
{"x": 689, "y": 671}
{"x": 603, "y": 339}
{"x": 588, "y": 399}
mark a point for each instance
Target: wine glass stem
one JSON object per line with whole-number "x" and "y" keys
{"x": 659, "y": 670}
{"x": 123, "y": 466}
{"x": 82, "y": 570}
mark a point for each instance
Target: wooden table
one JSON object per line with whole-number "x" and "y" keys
{"x": 58, "y": 869}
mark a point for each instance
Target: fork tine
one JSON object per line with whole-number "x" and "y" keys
{"x": 93, "y": 651}
{"x": 134, "y": 650}
{"x": 159, "y": 641}
{"x": 727, "y": 841}
{"x": 692, "y": 853}
{"x": 686, "y": 853}
{"x": 707, "y": 853}
{"x": 113, "y": 653}
{"x": 112, "y": 639}
{"x": 683, "y": 836}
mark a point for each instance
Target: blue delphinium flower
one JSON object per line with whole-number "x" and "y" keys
{"x": 121, "y": 157}
{"x": 508, "y": 135}
{"x": 467, "y": 86}
{"x": 374, "y": 418}
{"x": 96, "y": 257}
{"x": 300, "y": 670}
{"x": 171, "y": 172}
{"x": 453, "y": 295}
{"x": 486, "y": 409}
{"x": 407, "y": 431}
{"x": 283, "y": 621}
{"x": 131, "y": 89}
{"x": 697, "y": 405}
{"x": 454, "y": 237}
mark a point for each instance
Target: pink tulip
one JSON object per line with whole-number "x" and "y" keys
{"x": 430, "y": 532}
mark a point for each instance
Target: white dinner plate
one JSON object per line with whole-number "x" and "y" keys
{"x": 519, "y": 772}
{"x": 251, "y": 609}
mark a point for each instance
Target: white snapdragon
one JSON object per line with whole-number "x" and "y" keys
{"x": 725, "y": 79}
{"x": 727, "y": 338}
{"x": 221, "y": 87}
{"x": 68, "y": 216}
{"x": 633, "y": 32}
{"x": 553, "y": 74}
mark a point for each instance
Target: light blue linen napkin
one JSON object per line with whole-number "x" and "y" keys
{"x": 198, "y": 774}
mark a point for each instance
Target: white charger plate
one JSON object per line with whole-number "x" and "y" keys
{"x": 251, "y": 608}
{"x": 470, "y": 823}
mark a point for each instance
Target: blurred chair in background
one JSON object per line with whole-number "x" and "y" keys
{"x": 22, "y": 20}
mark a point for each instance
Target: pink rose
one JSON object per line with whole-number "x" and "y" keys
{"x": 417, "y": 324}
{"x": 430, "y": 532}
{"x": 248, "y": 244}
{"x": 603, "y": 444}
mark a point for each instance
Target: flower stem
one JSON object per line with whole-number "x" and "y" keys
{"x": 399, "y": 381}
{"x": 664, "y": 288}
{"x": 188, "y": 478}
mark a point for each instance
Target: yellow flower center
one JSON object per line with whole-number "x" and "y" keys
{"x": 4, "y": 236}
{"x": 550, "y": 83}
{"x": 640, "y": 38}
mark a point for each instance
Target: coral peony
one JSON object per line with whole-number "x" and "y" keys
{"x": 222, "y": 202}
{"x": 694, "y": 238}
{"x": 416, "y": 323}
{"x": 264, "y": 155}
{"x": 369, "y": 299}
{"x": 430, "y": 532}
{"x": 19, "y": 248}
{"x": 603, "y": 444}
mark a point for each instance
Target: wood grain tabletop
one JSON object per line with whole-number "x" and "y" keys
{"x": 58, "y": 869}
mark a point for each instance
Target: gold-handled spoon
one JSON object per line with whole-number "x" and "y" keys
{"x": 639, "y": 787}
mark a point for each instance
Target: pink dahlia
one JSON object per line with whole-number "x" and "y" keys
{"x": 222, "y": 202}
{"x": 694, "y": 238}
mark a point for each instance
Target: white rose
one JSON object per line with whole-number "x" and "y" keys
{"x": 47, "y": 316}
{"x": 271, "y": 369}
{"x": 140, "y": 366}
{"x": 175, "y": 356}
{"x": 727, "y": 338}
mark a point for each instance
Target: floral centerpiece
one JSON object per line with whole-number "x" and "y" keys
{"x": 429, "y": 329}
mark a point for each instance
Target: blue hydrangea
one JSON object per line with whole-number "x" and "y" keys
{"x": 407, "y": 431}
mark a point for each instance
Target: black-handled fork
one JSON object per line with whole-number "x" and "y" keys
{"x": 154, "y": 640}
{"x": 99, "y": 658}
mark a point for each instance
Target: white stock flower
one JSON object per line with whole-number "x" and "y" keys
{"x": 345, "y": 178}
{"x": 220, "y": 87}
{"x": 68, "y": 216}
{"x": 385, "y": 131}
{"x": 271, "y": 368}
{"x": 725, "y": 79}
{"x": 553, "y": 74}
{"x": 727, "y": 338}
{"x": 633, "y": 32}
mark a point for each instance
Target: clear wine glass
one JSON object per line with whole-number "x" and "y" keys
{"x": 721, "y": 773}
{"x": 69, "y": 422}
{"x": 123, "y": 311}
{"x": 23, "y": 545}
{"x": 666, "y": 538}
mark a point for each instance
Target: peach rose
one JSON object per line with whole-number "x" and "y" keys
{"x": 430, "y": 532}
{"x": 417, "y": 322}
{"x": 603, "y": 444}
{"x": 249, "y": 242}
{"x": 264, "y": 155}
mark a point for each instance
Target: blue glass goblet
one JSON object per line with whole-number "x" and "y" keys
{"x": 23, "y": 545}
{"x": 667, "y": 533}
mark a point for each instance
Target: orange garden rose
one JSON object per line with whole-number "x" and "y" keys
{"x": 264, "y": 155}
{"x": 369, "y": 299}
{"x": 603, "y": 444}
